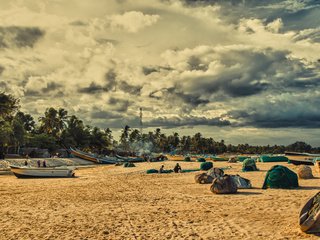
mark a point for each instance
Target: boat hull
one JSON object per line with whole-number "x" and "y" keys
{"x": 25, "y": 172}
{"x": 300, "y": 162}
{"x": 84, "y": 156}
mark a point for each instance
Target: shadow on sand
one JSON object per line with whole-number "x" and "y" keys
{"x": 248, "y": 193}
{"x": 309, "y": 188}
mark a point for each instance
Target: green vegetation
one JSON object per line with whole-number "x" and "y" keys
{"x": 57, "y": 129}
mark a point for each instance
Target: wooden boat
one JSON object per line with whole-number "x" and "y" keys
{"x": 301, "y": 162}
{"x": 301, "y": 154}
{"x": 90, "y": 157}
{"x": 309, "y": 217}
{"x": 300, "y": 158}
{"x": 83, "y": 155}
{"x": 297, "y": 158}
{"x": 45, "y": 172}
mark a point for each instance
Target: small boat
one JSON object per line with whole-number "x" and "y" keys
{"x": 297, "y": 158}
{"x": 45, "y": 172}
{"x": 301, "y": 162}
{"x": 90, "y": 157}
{"x": 301, "y": 154}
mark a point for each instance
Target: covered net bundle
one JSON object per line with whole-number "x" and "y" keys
{"x": 249, "y": 165}
{"x": 280, "y": 177}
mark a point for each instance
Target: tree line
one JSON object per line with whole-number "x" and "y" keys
{"x": 57, "y": 129}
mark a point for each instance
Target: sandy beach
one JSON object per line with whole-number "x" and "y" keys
{"x": 112, "y": 202}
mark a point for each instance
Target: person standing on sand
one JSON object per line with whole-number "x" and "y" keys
{"x": 39, "y": 163}
{"x": 44, "y": 164}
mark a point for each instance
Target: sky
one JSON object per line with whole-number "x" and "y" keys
{"x": 243, "y": 71}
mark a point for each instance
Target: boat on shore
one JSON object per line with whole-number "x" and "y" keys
{"x": 90, "y": 157}
{"x": 297, "y": 158}
{"x": 301, "y": 162}
{"x": 44, "y": 172}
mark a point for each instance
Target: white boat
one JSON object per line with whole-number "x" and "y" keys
{"x": 44, "y": 172}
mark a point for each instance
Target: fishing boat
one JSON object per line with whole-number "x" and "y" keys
{"x": 297, "y": 158}
{"x": 90, "y": 157}
{"x": 301, "y": 162}
{"x": 84, "y": 155}
{"x": 45, "y": 172}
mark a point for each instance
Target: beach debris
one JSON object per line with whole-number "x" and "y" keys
{"x": 187, "y": 159}
{"x": 305, "y": 172}
{"x": 215, "y": 172}
{"x": 206, "y": 166}
{"x": 242, "y": 183}
{"x": 309, "y": 218}
{"x": 128, "y": 164}
{"x": 249, "y": 165}
{"x": 203, "y": 178}
{"x": 224, "y": 185}
{"x": 280, "y": 177}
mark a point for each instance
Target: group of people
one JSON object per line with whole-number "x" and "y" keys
{"x": 44, "y": 163}
{"x": 176, "y": 169}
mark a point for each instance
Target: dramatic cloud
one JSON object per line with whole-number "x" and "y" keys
{"x": 186, "y": 121}
{"x": 226, "y": 67}
{"x": 19, "y": 36}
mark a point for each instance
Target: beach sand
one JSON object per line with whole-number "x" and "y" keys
{"x": 112, "y": 202}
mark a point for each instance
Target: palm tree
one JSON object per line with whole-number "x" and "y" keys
{"x": 53, "y": 122}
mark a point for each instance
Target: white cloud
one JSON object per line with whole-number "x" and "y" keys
{"x": 133, "y": 21}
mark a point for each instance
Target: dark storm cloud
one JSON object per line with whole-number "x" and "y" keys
{"x": 152, "y": 69}
{"x": 3, "y": 85}
{"x": 96, "y": 114}
{"x": 51, "y": 86}
{"x": 173, "y": 93}
{"x": 131, "y": 89}
{"x": 19, "y": 36}
{"x": 257, "y": 119}
{"x": 196, "y": 64}
{"x": 309, "y": 34}
{"x": 247, "y": 72}
{"x": 279, "y": 114}
{"x": 32, "y": 93}
{"x": 296, "y": 15}
{"x": 186, "y": 121}
{"x": 111, "y": 85}
{"x": 93, "y": 88}
{"x": 119, "y": 105}
{"x": 111, "y": 80}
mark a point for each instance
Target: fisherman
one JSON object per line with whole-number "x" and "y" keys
{"x": 44, "y": 164}
{"x": 39, "y": 163}
{"x": 161, "y": 169}
{"x": 177, "y": 168}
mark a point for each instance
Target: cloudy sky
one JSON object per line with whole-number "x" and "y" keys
{"x": 242, "y": 71}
